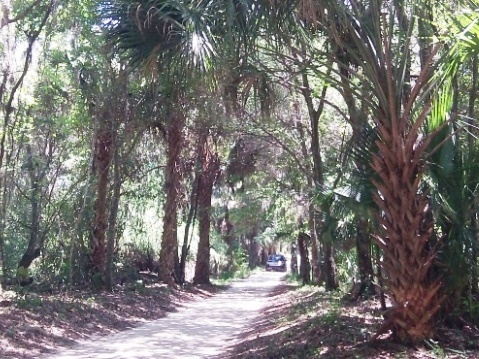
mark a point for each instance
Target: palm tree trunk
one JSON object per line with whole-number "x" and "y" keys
{"x": 169, "y": 244}
{"x": 405, "y": 241}
{"x": 210, "y": 169}
{"x": 331, "y": 280}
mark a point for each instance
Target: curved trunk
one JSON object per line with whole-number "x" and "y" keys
{"x": 210, "y": 168}
{"x": 169, "y": 244}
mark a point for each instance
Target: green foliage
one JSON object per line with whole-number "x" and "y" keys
{"x": 22, "y": 274}
{"x": 238, "y": 268}
{"x": 346, "y": 266}
{"x": 28, "y": 301}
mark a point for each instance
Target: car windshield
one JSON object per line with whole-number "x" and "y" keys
{"x": 276, "y": 257}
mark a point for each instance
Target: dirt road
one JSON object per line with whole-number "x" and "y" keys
{"x": 198, "y": 330}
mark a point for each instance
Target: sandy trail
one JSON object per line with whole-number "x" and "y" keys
{"x": 200, "y": 329}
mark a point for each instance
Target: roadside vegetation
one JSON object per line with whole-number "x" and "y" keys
{"x": 174, "y": 143}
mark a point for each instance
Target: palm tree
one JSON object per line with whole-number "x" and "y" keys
{"x": 171, "y": 42}
{"x": 374, "y": 48}
{"x": 186, "y": 46}
{"x": 209, "y": 171}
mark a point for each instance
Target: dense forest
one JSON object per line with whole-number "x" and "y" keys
{"x": 192, "y": 138}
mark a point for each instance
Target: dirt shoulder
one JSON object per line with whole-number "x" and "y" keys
{"x": 35, "y": 323}
{"x": 305, "y": 322}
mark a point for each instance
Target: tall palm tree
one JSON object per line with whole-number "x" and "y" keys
{"x": 172, "y": 43}
{"x": 372, "y": 41}
{"x": 209, "y": 171}
{"x": 184, "y": 46}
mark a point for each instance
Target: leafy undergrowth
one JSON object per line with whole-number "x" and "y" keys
{"x": 32, "y": 324}
{"x": 305, "y": 322}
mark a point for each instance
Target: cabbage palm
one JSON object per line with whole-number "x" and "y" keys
{"x": 183, "y": 45}
{"x": 171, "y": 41}
{"x": 375, "y": 50}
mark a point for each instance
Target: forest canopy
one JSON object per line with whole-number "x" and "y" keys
{"x": 191, "y": 139}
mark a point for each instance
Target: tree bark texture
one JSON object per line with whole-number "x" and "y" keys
{"x": 103, "y": 156}
{"x": 304, "y": 266}
{"x": 331, "y": 280}
{"x": 210, "y": 169}
{"x": 315, "y": 246}
{"x": 365, "y": 265}
{"x": 169, "y": 243}
{"x": 405, "y": 239}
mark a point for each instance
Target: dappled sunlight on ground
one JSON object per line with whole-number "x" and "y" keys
{"x": 35, "y": 323}
{"x": 307, "y": 323}
{"x": 201, "y": 329}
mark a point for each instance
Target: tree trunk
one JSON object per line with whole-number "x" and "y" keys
{"x": 3, "y": 211}
{"x": 331, "y": 280}
{"x": 190, "y": 221}
{"x": 103, "y": 155}
{"x": 225, "y": 228}
{"x": 34, "y": 243}
{"x": 294, "y": 259}
{"x": 363, "y": 239}
{"x": 112, "y": 218}
{"x": 33, "y": 250}
{"x": 254, "y": 249}
{"x": 473, "y": 153}
{"x": 169, "y": 243}
{"x": 305, "y": 266}
{"x": 315, "y": 246}
{"x": 318, "y": 182}
{"x": 365, "y": 265}
{"x": 407, "y": 229}
{"x": 210, "y": 170}
{"x": 312, "y": 214}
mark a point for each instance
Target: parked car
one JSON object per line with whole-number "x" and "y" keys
{"x": 276, "y": 262}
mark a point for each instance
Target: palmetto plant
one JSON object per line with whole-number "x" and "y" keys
{"x": 376, "y": 50}
{"x": 409, "y": 108}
